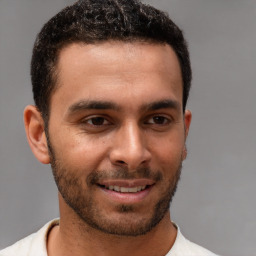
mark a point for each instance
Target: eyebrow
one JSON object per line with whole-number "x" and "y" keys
{"x": 162, "y": 104}
{"x": 106, "y": 105}
{"x": 88, "y": 105}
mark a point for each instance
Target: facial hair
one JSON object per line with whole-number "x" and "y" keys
{"x": 78, "y": 195}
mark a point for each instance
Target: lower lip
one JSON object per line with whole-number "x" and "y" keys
{"x": 127, "y": 198}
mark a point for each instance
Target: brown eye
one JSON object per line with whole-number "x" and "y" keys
{"x": 97, "y": 121}
{"x": 160, "y": 120}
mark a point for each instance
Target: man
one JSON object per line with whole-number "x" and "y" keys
{"x": 110, "y": 80}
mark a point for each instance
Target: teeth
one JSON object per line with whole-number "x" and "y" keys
{"x": 132, "y": 190}
{"x": 126, "y": 190}
{"x": 123, "y": 190}
{"x": 116, "y": 188}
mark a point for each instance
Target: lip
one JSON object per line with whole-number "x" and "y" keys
{"x": 127, "y": 183}
{"x": 126, "y": 197}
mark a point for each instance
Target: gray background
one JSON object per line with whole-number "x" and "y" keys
{"x": 215, "y": 203}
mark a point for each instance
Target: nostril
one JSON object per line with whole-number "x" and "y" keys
{"x": 121, "y": 162}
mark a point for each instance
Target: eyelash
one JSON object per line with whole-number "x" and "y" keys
{"x": 95, "y": 122}
{"x": 103, "y": 121}
{"x": 97, "y": 118}
{"x": 163, "y": 118}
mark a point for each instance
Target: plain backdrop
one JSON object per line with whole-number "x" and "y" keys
{"x": 215, "y": 203}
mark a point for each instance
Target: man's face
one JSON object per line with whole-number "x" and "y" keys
{"x": 117, "y": 133}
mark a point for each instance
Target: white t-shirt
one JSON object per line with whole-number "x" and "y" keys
{"x": 35, "y": 245}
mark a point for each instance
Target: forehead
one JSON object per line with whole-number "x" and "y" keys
{"x": 150, "y": 56}
{"x": 117, "y": 69}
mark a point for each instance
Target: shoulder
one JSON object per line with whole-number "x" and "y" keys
{"x": 184, "y": 247}
{"x": 19, "y": 248}
{"x": 34, "y": 244}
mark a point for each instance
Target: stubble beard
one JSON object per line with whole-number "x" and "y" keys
{"x": 83, "y": 204}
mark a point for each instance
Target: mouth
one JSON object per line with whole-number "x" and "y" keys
{"x": 126, "y": 191}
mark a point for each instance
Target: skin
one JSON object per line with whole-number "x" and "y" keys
{"x": 133, "y": 77}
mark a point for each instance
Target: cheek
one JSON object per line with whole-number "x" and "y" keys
{"x": 168, "y": 152}
{"x": 78, "y": 151}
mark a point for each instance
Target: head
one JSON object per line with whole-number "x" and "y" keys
{"x": 110, "y": 82}
{"x": 96, "y": 21}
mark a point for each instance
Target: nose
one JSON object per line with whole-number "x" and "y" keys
{"x": 130, "y": 147}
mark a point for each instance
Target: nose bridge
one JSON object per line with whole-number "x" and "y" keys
{"x": 133, "y": 136}
{"x": 130, "y": 146}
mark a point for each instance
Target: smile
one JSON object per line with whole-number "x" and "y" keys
{"x": 126, "y": 189}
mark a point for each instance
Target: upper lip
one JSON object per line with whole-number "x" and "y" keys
{"x": 127, "y": 183}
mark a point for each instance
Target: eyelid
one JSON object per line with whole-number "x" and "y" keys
{"x": 91, "y": 119}
{"x": 86, "y": 120}
{"x": 167, "y": 118}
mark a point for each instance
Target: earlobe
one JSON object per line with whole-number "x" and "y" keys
{"x": 184, "y": 153}
{"x": 34, "y": 126}
{"x": 187, "y": 122}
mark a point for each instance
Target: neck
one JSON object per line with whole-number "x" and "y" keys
{"x": 74, "y": 237}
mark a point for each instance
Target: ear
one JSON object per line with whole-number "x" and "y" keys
{"x": 34, "y": 126}
{"x": 187, "y": 121}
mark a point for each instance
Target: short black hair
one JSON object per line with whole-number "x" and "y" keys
{"x": 95, "y": 21}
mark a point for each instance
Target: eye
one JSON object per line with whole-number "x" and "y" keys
{"x": 96, "y": 124}
{"x": 97, "y": 121}
{"x": 159, "y": 120}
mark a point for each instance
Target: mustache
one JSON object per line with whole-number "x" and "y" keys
{"x": 123, "y": 173}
